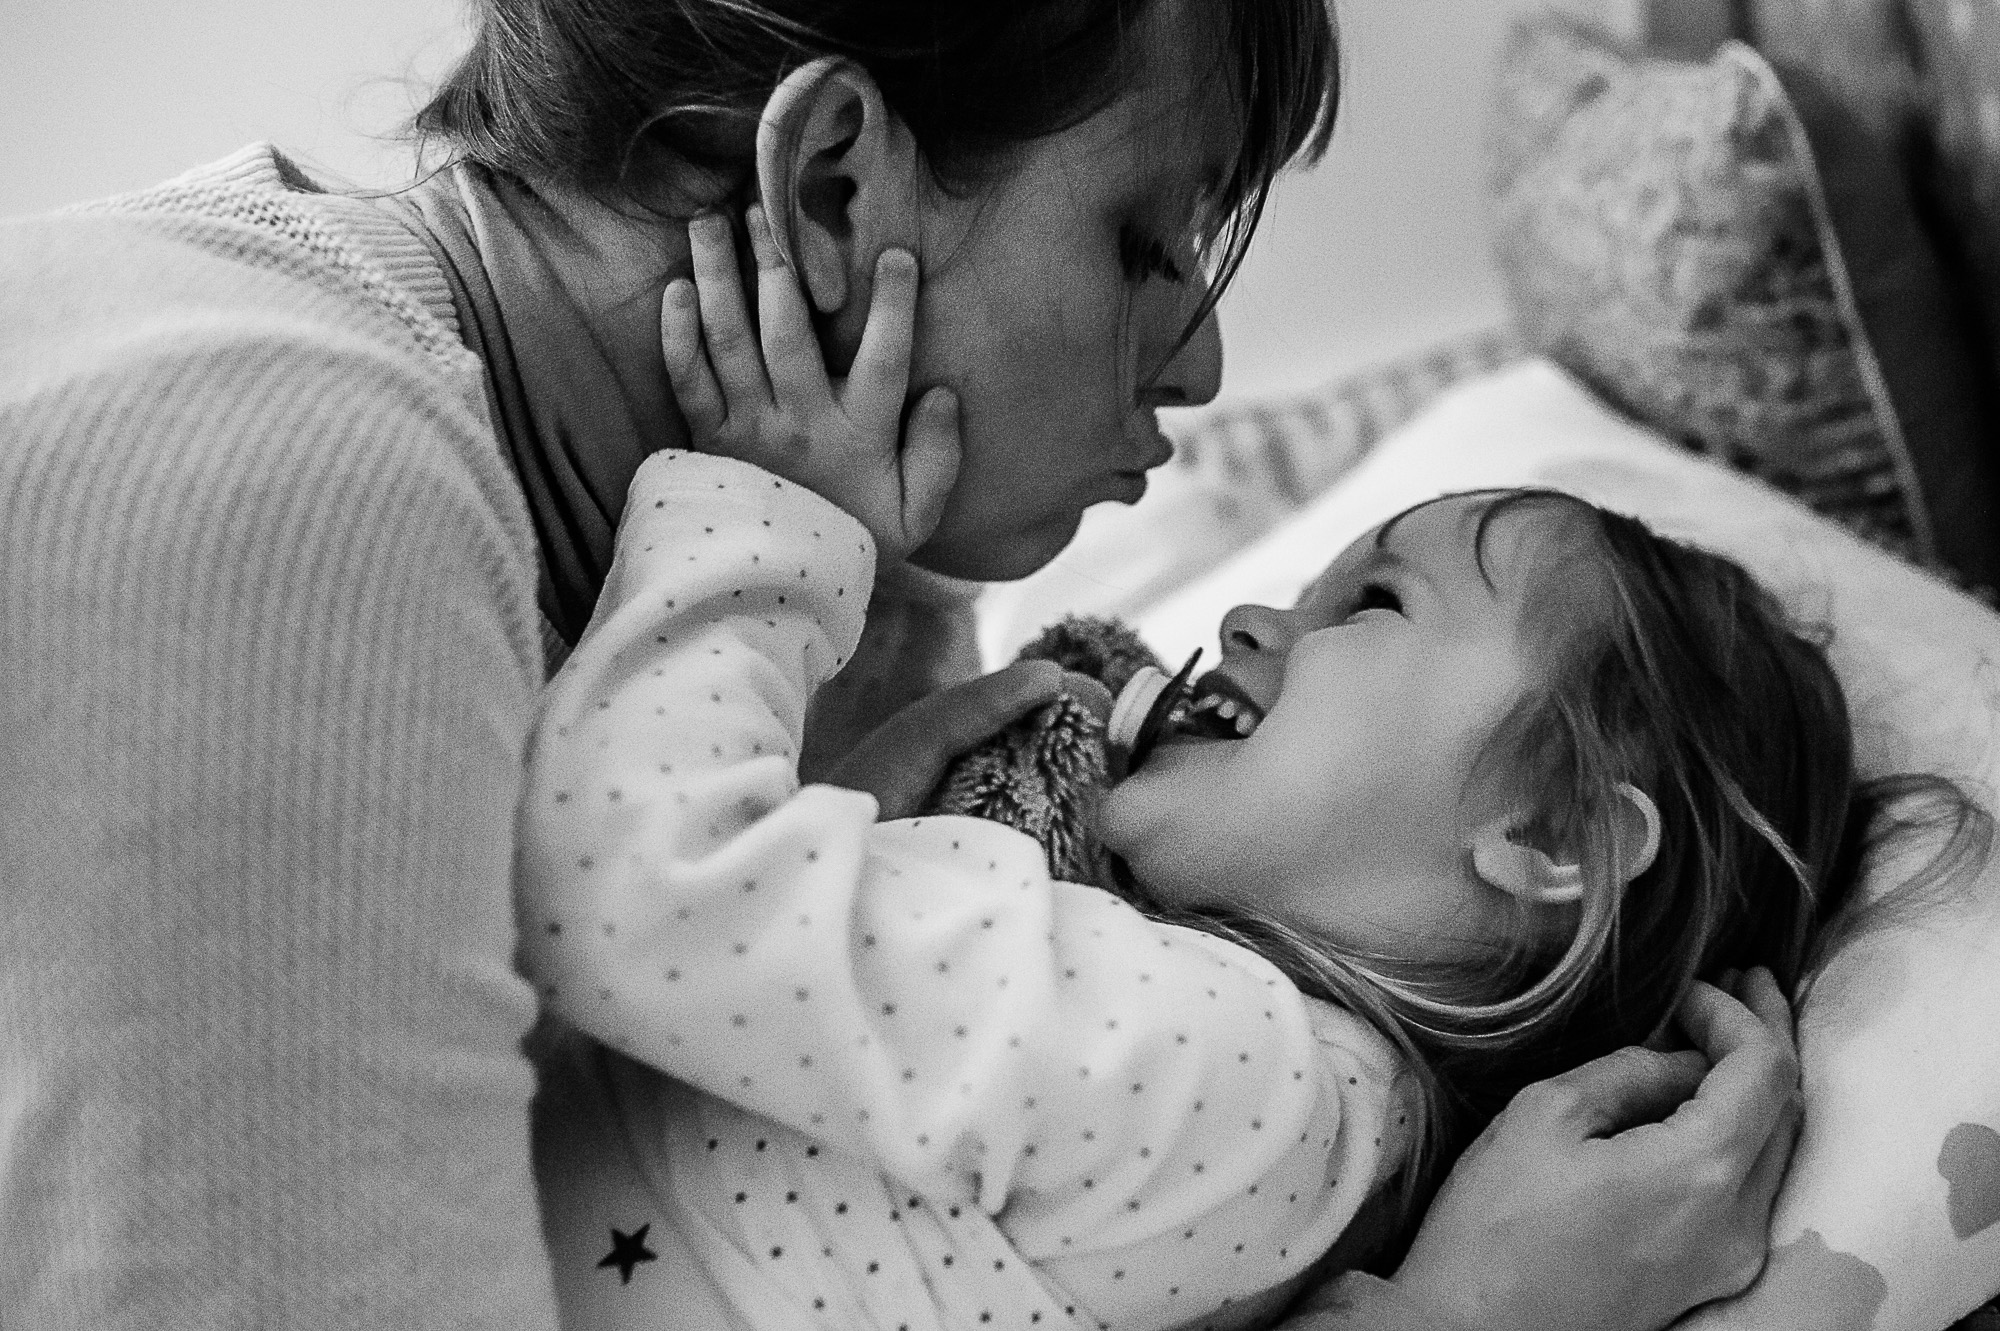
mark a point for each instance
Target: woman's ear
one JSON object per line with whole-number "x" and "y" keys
{"x": 1537, "y": 877}
{"x": 837, "y": 173}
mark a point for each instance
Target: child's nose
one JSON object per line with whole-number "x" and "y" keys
{"x": 1255, "y": 629}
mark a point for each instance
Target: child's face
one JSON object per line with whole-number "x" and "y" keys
{"x": 1345, "y": 812}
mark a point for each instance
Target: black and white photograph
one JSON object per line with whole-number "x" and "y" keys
{"x": 945, "y": 665}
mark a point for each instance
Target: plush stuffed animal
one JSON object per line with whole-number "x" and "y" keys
{"x": 1046, "y": 774}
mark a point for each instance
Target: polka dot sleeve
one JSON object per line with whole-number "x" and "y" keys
{"x": 1115, "y": 1092}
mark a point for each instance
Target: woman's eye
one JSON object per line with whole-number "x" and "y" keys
{"x": 1146, "y": 257}
{"x": 1376, "y": 596}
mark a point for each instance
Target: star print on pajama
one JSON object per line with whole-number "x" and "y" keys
{"x": 627, "y": 1251}
{"x": 881, "y": 1074}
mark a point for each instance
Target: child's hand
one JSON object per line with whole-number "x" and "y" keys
{"x": 774, "y": 405}
{"x": 901, "y": 762}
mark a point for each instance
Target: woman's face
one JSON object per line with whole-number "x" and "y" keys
{"x": 1054, "y": 302}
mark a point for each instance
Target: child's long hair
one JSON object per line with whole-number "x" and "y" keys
{"x": 1667, "y": 667}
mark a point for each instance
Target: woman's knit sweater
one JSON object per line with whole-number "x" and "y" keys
{"x": 268, "y": 653}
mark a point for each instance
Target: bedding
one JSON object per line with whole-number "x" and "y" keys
{"x": 1731, "y": 257}
{"x": 1890, "y": 1216}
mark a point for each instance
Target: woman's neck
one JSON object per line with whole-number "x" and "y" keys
{"x": 606, "y": 269}
{"x": 560, "y": 296}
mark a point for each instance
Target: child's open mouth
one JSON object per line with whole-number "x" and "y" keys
{"x": 1219, "y": 710}
{"x": 1153, "y": 709}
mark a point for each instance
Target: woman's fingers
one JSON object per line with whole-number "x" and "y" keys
{"x": 1760, "y": 1188}
{"x": 880, "y": 375}
{"x": 1624, "y": 1088}
{"x": 732, "y": 348}
{"x": 1755, "y": 1078}
{"x": 1758, "y": 990}
{"x": 695, "y": 389}
{"x": 791, "y": 349}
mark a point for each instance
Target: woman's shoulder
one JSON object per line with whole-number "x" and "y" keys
{"x": 186, "y": 351}
{"x": 248, "y": 234}
{"x": 240, "y": 293}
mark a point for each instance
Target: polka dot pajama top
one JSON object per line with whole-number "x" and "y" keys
{"x": 850, "y": 1073}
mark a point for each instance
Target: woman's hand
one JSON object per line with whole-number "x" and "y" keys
{"x": 766, "y": 398}
{"x": 1565, "y": 1214}
{"x": 903, "y": 759}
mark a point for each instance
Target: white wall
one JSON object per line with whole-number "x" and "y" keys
{"x": 1377, "y": 252}
{"x": 98, "y": 96}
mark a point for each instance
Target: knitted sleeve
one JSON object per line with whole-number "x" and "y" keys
{"x": 268, "y": 671}
{"x": 1130, "y": 1100}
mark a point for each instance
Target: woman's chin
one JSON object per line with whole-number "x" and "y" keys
{"x": 1005, "y": 556}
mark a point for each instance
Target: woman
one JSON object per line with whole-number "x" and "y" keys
{"x": 284, "y": 566}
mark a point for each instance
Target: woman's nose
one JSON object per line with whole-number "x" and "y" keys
{"x": 1196, "y": 370}
{"x": 1192, "y": 372}
{"x": 1257, "y": 630}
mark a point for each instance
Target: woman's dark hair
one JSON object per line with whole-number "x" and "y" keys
{"x": 601, "y": 94}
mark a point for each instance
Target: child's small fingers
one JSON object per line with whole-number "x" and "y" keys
{"x": 791, "y": 350}
{"x": 955, "y": 719}
{"x": 930, "y": 458}
{"x": 881, "y": 372}
{"x": 695, "y": 390}
{"x": 1090, "y": 694}
{"x": 725, "y": 320}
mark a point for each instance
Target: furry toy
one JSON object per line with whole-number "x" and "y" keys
{"x": 1047, "y": 773}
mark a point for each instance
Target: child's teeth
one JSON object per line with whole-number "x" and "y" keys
{"x": 1246, "y": 724}
{"x": 1226, "y": 709}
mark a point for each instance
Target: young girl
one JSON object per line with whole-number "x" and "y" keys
{"x": 1510, "y": 776}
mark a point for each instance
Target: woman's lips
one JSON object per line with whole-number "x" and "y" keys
{"x": 1127, "y": 487}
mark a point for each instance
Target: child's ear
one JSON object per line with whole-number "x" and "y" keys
{"x": 1540, "y": 878}
{"x": 837, "y": 173}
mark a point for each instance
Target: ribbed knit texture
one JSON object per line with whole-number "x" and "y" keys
{"x": 268, "y": 654}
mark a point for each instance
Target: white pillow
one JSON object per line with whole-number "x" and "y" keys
{"x": 1888, "y": 1217}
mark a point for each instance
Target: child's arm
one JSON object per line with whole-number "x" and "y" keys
{"x": 918, "y": 993}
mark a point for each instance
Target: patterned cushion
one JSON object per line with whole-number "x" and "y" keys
{"x": 1668, "y": 236}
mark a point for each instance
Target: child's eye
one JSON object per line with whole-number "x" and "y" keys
{"x": 1376, "y": 596}
{"x": 1146, "y": 257}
